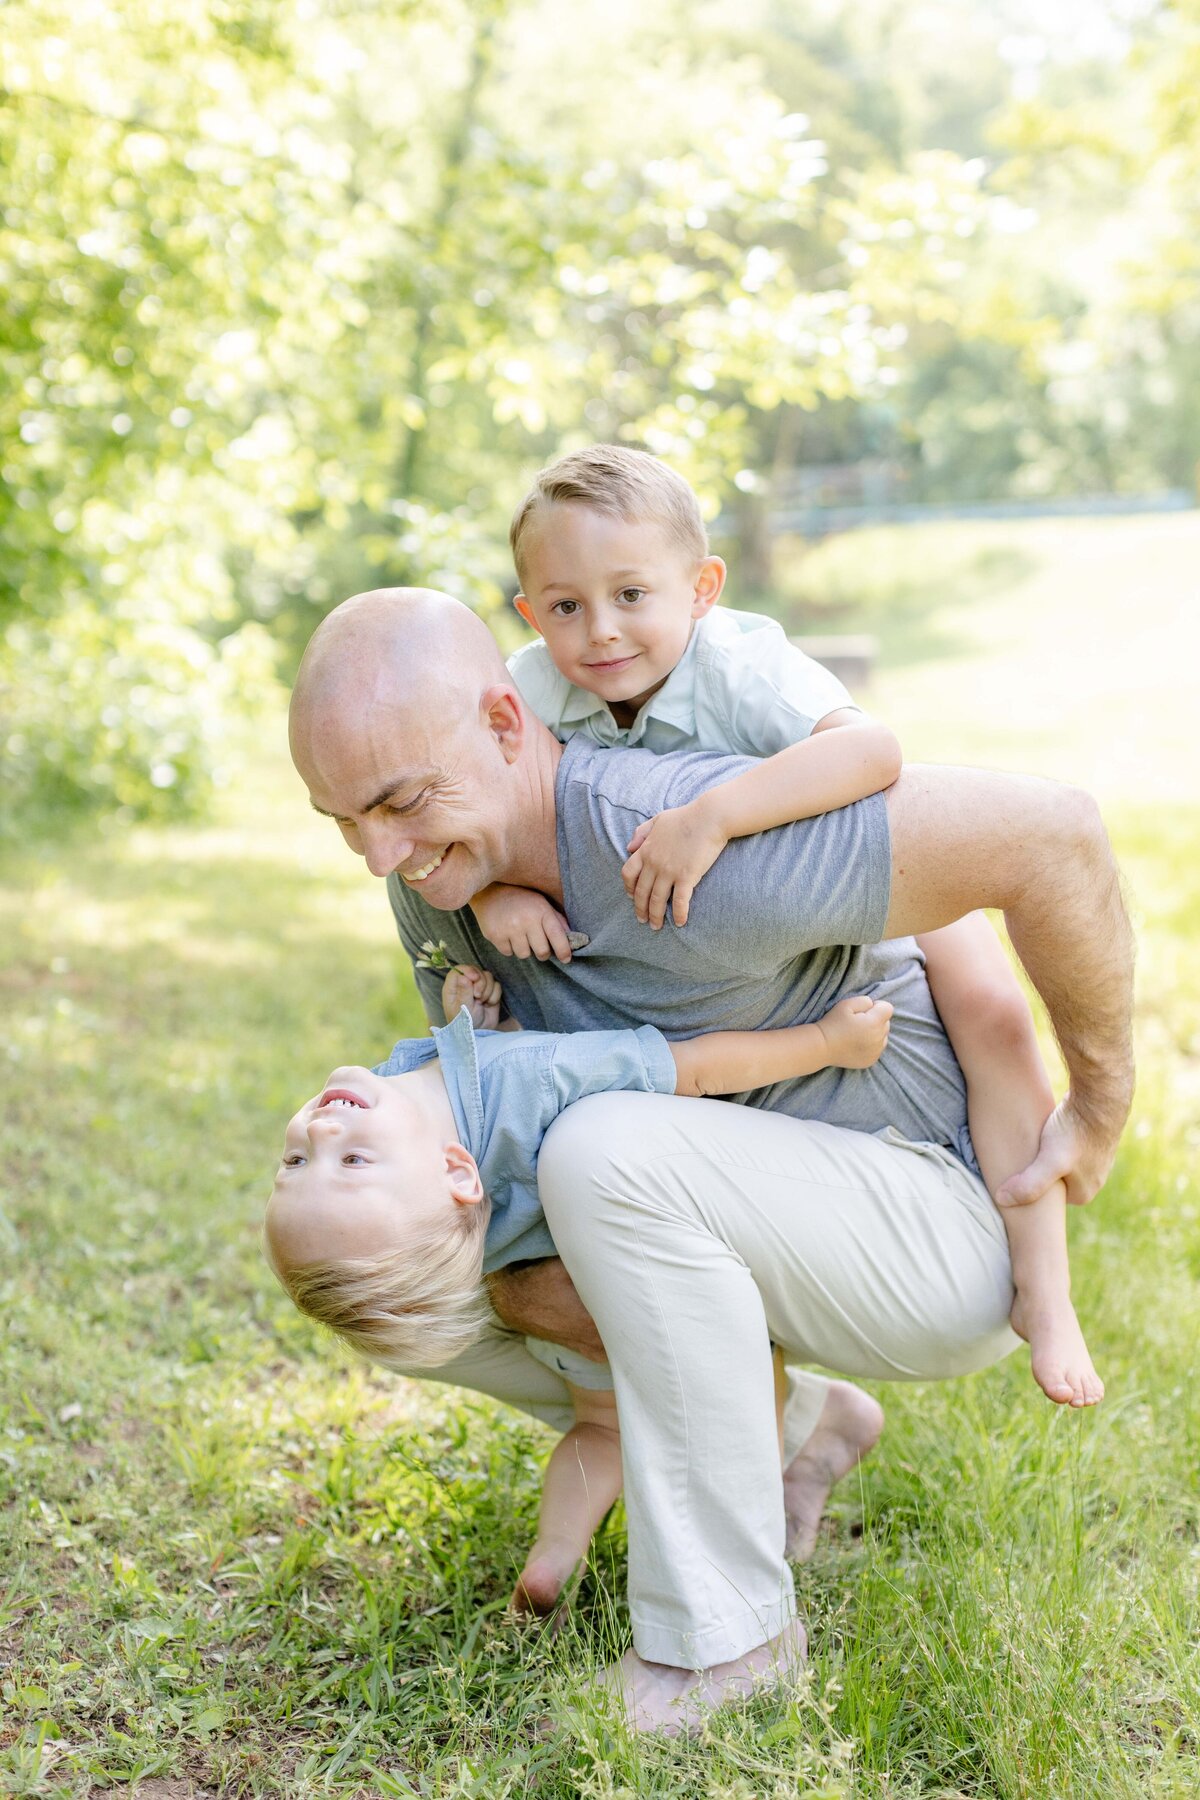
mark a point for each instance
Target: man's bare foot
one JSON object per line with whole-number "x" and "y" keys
{"x": 675, "y": 1702}
{"x": 848, "y": 1428}
{"x": 544, "y": 1579}
{"x": 1059, "y": 1356}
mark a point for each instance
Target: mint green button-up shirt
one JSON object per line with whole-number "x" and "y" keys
{"x": 740, "y": 686}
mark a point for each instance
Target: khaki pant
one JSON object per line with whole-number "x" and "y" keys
{"x": 697, "y": 1233}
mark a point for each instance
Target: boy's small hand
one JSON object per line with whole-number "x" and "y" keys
{"x": 478, "y": 991}
{"x": 668, "y": 855}
{"x": 521, "y": 922}
{"x": 856, "y": 1031}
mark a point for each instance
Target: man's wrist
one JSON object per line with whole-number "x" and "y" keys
{"x": 1102, "y": 1107}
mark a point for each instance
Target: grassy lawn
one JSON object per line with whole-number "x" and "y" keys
{"x": 234, "y": 1561}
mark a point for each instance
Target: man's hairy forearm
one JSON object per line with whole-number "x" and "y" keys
{"x": 968, "y": 838}
{"x": 540, "y": 1300}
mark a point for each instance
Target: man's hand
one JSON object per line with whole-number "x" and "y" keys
{"x": 668, "y": 855}
{"x": 1071, "y": 1150}
{"x": 478, "y": 991}
{"x": 521, "y": 922}
{"x": 541, "y": 1301}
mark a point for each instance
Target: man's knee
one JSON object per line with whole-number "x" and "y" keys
{"x": 577, "y": 1151}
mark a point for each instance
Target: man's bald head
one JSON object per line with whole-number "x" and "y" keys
{"x": 430, "y": 652}
{"x": 407, "y": 728}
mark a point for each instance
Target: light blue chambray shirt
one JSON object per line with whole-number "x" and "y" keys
{"x": 507, "y": 1088}
{"x": 740, "y": 686}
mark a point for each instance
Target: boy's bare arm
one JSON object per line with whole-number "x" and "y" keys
{"x": 847, "y": 757}
{"x": 852, "y": 1035}
{"x": 969, "y": 838}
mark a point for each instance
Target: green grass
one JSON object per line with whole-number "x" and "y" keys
{"x": 234, "y": 1561}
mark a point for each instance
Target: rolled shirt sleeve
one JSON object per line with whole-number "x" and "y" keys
{"x": 601, "y": 1062}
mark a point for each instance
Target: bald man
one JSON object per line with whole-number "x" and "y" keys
{"x": 838, "y": 1219}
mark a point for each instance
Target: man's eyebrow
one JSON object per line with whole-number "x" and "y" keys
{"x": 416, "y": 782}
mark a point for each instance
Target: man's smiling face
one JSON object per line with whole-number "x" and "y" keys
{"x": 414, "y": 787}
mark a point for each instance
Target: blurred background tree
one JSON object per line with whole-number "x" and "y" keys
{"x": 299, "y": 292}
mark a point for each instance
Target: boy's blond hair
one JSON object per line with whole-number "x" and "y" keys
{"x": 414, "y": 1307}
{"x": 629, "y": 484}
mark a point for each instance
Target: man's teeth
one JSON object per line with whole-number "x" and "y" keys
{"x": 420, "y": 874}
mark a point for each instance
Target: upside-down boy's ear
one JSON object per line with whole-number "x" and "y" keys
{"x": 465, "y": 1184}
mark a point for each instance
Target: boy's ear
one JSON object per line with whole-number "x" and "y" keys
{"x": 465, "y": 1184}
{"x": 526, "y": 611}
{"x": 710, "y": 579}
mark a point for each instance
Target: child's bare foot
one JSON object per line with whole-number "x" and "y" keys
{"x": 848, "y": 1428}
{"x": 1059, "y": 1356}
{"x": 675, "y": 1702}
{"x": 543, "y": 1581}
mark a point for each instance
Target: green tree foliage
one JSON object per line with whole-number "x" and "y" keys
{"x": 300, "y": 291}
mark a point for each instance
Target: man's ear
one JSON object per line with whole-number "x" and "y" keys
{"x": 526, "y": 611}
{"x": 501, "y": 709}
{"x": 710, "y": 579}
{"x": 465, "y": 1184}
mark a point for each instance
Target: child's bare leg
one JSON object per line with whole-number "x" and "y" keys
{"x": 583, "y": 1478}
{"x": 1042, "y": 1312}
{"x": 1008, "y": 1099}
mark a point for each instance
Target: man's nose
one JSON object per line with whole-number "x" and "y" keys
{"x": 385, "y": 846}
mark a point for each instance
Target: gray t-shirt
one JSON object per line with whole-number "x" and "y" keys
{"x": 783, "y": 925}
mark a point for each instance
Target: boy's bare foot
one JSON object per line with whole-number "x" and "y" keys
{"x": 675, "y": 1702}
{"x": 848, "y": 1428}
{"x": 1059, "y": 1356}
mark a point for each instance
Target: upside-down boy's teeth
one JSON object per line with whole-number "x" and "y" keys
{"x": 420, "y": 874}
{"x": 340, "y": 1097}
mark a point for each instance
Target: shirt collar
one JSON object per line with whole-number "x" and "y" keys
{"x": 460, "y": 1071}
{"x": 675, "y": 701}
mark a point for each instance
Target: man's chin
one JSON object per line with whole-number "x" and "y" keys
{"x": 448, "y": 887}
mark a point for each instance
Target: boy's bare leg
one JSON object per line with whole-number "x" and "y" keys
{"x": 1008, "y": 1099}
{"x": 583, "y": 1479}
{"x": 847, "y": 1430}
{"x": 1042, "y": 1312}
